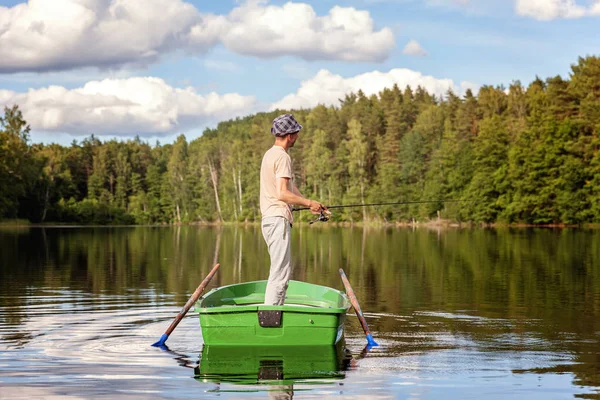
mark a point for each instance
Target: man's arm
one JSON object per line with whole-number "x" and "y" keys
{"x": 294, "y": 197}
{"x": 295, "y": 190}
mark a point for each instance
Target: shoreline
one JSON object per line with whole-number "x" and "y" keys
{"x": 437, "y": 224}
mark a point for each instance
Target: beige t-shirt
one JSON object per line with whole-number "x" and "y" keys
{"x": 276, "y": 164}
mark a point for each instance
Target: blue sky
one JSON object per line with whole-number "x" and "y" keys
{"x": 158, "y": 68}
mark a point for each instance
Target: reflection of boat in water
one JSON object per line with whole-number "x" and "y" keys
{"x": 235, "y": 315}
{"x": 268, "y": 364}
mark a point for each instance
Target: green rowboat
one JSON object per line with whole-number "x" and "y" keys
{"x": 235, "y": 315}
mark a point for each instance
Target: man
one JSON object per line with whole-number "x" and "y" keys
{"x": 277, "y": 194}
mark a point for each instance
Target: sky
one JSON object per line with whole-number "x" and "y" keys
{"x": 160, "y": 68}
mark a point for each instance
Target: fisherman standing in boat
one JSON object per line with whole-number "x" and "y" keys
{"x": 277, "y": 194}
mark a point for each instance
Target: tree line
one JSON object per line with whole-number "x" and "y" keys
{"x": 515, "y": 155}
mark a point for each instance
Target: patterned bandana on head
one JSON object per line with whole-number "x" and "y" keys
{"x": 284, "y": 125}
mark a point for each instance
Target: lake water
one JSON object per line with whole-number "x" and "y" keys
{"x": 459, "y": 313}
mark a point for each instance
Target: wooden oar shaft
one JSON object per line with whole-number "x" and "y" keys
{"x": 192, "y": 300}
{"x": 357, "y": 308}
{"x": 187, "y": 306}
{"x": 354, "y": 302}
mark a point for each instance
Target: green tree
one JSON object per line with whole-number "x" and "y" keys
{"x": 386, "y": 188}
{"x": 177, "y": 170}
{"x": 17, "y": 170}
{"x": 123, "y": 173}
{"x": 357, "y": 166}
{"x": 57, "y": 180}
{"x": 412, "y": 172}
{"x": 318, "y": 166}
{"x": 488, "y": 188}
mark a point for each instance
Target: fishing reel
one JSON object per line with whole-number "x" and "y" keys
{"x": 322, "y": 217}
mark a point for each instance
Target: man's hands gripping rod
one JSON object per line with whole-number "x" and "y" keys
{"x": 316, "y": 208}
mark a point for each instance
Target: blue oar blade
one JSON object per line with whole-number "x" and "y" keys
{"x": 161, "y": 341}
{"x": 370, "y": 341}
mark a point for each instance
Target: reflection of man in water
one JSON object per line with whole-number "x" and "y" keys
{"x": 272, "y": 370}
{"x": 281, "y": 392}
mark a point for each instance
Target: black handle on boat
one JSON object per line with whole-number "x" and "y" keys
{"x": 359, "y": 314}
{"x": 185, "y": 309}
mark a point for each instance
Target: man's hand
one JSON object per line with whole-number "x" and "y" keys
{"x": 317, "y": 208}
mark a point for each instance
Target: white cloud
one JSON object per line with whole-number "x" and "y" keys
{"x": 143, "y": 105}
{"x": 44, "y": 35}
{"x": 413, "y": 48}
{"x": 149, "y": 107}
{"x": 595, "y": 9}
{"x": 327, "y": 88}
{"x": 545, "y": 10}
{"x": 294, "y": 29}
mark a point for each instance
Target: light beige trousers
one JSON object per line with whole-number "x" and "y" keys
{"x": 277, "y": 232}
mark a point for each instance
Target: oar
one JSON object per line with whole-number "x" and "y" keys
{"x": 186, "y": 308}
{"x": 357, "y": 309}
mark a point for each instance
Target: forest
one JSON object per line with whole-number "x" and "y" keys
{"x": 508, "y": 155}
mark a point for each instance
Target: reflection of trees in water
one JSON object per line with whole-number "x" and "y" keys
{"x": 238, "y": 256}
{"x": 505, "y": 272}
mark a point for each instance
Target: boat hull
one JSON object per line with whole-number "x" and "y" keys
{"x": 313, "y": 315}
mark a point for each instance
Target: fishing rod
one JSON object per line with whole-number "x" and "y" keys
{"x": 324, "y": 217}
